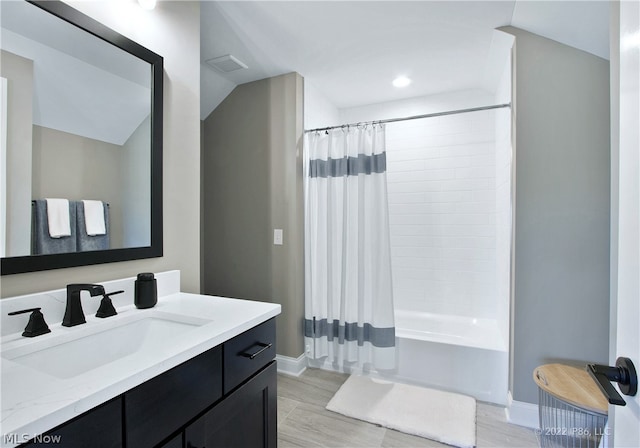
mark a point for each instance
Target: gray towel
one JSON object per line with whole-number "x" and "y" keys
{"x": 86, "y": 242}
{"x": 41, "y": 242}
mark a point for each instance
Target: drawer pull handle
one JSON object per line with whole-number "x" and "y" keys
{"x": 262, "y": 346}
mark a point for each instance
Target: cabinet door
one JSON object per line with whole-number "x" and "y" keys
{"x": 176, "y": 442}
{"x": 100, "y": 427}
{"x": 246, "y": 418}
{"x": 163, "y": 405}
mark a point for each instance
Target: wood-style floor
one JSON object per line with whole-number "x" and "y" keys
{"x": 303, "y": 420}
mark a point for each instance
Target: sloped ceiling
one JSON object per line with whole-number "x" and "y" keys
{"x": 82, "y": 85}
{"x": 351, "y": 50}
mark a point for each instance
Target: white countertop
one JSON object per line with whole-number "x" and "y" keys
{"x": 34, "y": 402}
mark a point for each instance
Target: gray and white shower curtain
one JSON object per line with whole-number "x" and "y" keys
{"x": 348, "y": 292}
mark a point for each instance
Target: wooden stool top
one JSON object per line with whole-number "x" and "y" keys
{"x": 572, "y": 385}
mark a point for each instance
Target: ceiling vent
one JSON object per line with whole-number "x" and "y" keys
{"x": 226, "y": 63}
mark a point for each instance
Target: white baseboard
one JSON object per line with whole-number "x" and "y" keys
{"x": 522, "y": 413}
{"x": 291, "y": 366}
{"x": 326, "y": 364}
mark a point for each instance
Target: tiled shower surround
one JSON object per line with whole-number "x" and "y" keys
{"x": 442, "y": 205}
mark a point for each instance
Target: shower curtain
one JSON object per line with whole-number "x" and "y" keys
{"x": 348, "y": 292}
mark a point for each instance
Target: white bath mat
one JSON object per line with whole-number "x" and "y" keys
{"x": 442, "y": 416}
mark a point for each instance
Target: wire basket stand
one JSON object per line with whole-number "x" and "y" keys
{"x": 572, "y": 411}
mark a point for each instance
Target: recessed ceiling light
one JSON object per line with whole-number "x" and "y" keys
{"x": 147, "y": 4}
{"x": 401, "y": 81}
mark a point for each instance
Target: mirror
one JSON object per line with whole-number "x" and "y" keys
{"x": 81, "y": 119}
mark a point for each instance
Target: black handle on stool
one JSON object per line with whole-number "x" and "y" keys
{"x": 624, "y": 373}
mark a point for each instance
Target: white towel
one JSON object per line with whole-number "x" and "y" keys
{"x": 58, "y": 217}
{"x": 94, "y": 218}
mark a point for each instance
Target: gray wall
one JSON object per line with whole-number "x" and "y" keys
{"x": 168, "y": 23}
{"x": 75, "y": 167}
{"x": 19, "y": 74}
{"x": 562, "y": 162}
{"x": 252, "y": 183}
{"x": 136, "y": 190}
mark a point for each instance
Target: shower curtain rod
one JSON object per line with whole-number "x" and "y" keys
{"x": 414, "y": 117}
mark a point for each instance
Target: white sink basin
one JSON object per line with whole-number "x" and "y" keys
{"x": 70, "y": 354}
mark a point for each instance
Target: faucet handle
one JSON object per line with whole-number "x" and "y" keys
{"x": 36, "y": 325}
{"x": 106, "y": 308}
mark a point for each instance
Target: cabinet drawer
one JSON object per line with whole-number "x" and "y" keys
{"x": 247, "y": 353}
{"x": 156, "y": 409}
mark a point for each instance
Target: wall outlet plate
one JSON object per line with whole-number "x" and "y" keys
{"x": 278, "y": 237}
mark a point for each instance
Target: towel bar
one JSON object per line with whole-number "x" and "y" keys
{"x": 33, "y": 202}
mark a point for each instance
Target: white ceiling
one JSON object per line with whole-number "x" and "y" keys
{"x": 351, "y": 50}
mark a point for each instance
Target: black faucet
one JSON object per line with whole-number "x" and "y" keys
{"x": 36, "y": 325}
{"x": 106, "y": 308}
{"x": 73, "y": 314}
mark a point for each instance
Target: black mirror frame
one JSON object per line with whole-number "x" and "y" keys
{"x": 34, "y": 263}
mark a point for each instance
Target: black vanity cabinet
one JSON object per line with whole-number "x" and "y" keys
{"x": 161, "y": 406}
{"x": 103, "y": 424}
{"x": 246, "y": 419}
{"x": 225, "y": 397}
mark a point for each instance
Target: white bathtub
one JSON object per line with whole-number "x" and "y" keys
{"x": 454, "y": 353}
